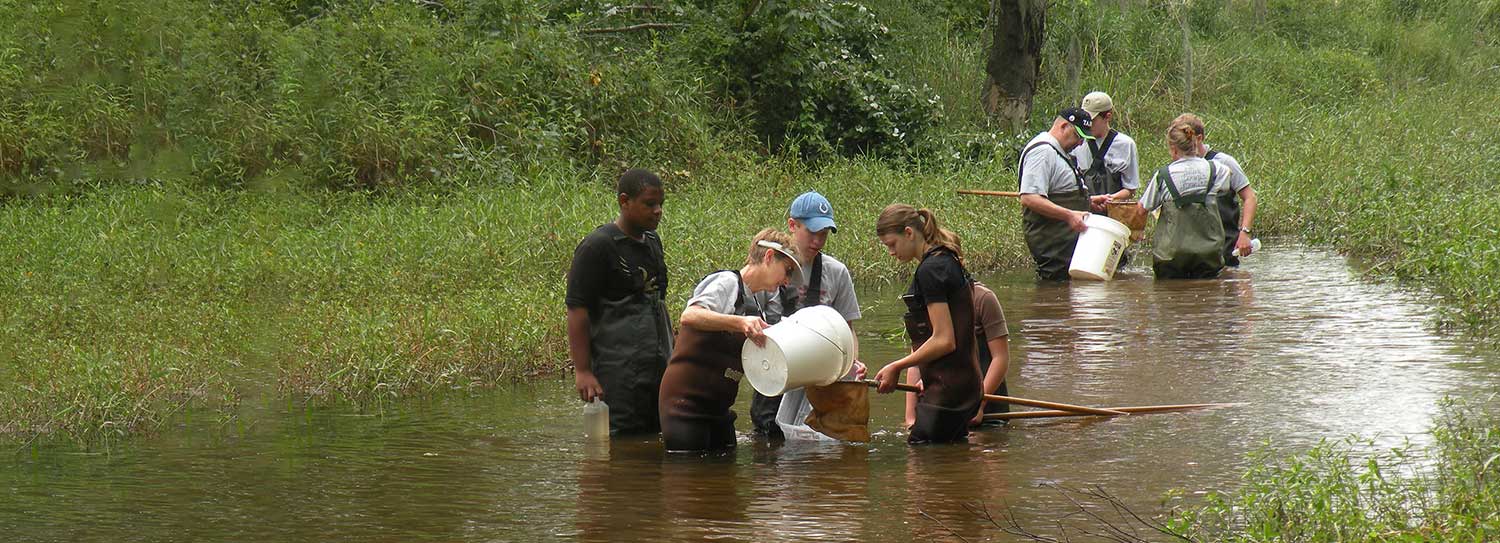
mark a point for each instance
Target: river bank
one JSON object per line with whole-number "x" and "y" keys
{"x": 508, "y": 463}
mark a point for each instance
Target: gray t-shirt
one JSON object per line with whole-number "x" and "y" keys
{"x": 1237, "y": 179}
{"x": 837, "y": 290}
{"x": 1120, "y": 158}
{"x": 1044, "y": 171}
{"x": 1190, "y": 175}
{"x": 718, "y": 292}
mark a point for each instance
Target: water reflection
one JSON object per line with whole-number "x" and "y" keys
{"x": 1311, "y": 350}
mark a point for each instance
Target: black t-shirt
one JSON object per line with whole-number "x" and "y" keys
{"x": 609, "y": 265}
{"x": 937, "y": 278}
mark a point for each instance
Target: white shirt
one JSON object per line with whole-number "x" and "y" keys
{"x": 837, "y": 289}
{"x": 1190, "y": 176}
{"x": 1237, "y": 179}
{"x": 1120, "y": 158}
{"x": 1044, "y": 171}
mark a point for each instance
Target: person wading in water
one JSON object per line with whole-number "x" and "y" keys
{"x": 1236, "y": 207}
{"x": 939, "y": 323}
{"x": 1055, "y": 199}
{"x": 1111, "y": 167}
{"x": 619, "y": 335}
{"x": 1189, "y": 238}
{"x": 992, "y": 345}
{"x": 827, "y": 282}
{"x": 703, "y": 376}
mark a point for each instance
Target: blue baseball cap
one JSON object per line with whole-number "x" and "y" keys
{"x": 813, "y": 211}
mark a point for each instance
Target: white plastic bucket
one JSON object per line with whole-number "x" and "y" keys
{"x": 1099, "y": 249}
{"x": 812, "y": 347}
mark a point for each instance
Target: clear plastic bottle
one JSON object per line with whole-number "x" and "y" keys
{"x": 1254, "y": 247}
{"x": 596, "y": 420}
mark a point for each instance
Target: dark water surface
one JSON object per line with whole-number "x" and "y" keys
{"x": 1312, "y": 351}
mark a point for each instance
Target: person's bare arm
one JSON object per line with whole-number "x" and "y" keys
{"x": 1046, "y": 208}
{"x": 578, "y": 349}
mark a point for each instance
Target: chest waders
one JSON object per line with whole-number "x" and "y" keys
{"x": 1229, "y": 214}
{"x": 982, "y": 343}
{"x": 1189, "y": 239}
{"x": 1097, "y": 177}
{"x": 700, "y": 385}
{"x": 951, "y": 388}
{"x": 763, "y": 408}
{"x": 1051, "y": 241}
{"x": 629, "y": 343}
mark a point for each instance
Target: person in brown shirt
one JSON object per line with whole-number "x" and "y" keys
{"x": 992, "y": 342}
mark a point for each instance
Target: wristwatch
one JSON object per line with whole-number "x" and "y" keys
{"x": 1245, "y": 229}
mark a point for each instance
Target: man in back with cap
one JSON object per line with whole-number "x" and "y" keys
{"x": 1053, "y": 193}
{"x": 823, "y": 281}
{"x": 1111, "y": 167}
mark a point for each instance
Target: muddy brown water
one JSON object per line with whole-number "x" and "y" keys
{"x": 1311, "y": 350}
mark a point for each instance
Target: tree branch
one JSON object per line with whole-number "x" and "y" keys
{"x": 631, "y": 28}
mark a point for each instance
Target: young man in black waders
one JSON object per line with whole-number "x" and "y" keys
{"x": 1111, "y": 166}
{"x": 619, "y": 335}
{"x": 826, "y": 281}
{"x": 1235, "y": 217}
{"x": 1189, "y": 239}
{"x": 1055, "y": 199}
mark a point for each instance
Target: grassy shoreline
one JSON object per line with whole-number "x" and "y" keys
{"x": 168, "y": 246}
{"x": 129, "y": 302}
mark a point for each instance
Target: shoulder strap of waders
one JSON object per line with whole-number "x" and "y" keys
{"x": 1177, "y": 197}
{"x": 815, "y": 285}
{"x": 1098, "y": 150}
{"x": 1077, "y": 177}
{"x": 653, "y": 242}
{"x": 791, "y": 302}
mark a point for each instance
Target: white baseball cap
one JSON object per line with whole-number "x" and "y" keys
{"x": 1097, "y": 102}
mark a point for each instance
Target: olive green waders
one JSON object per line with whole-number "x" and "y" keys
{"x": 1051, "y": 241}
{"x": 1189, "y": 240}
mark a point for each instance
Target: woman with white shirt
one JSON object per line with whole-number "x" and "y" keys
{"x": 704, "y": 372}
{"x": 1189, "y": 238}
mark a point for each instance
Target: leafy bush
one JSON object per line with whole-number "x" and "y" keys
{"x": 811, "y": 76}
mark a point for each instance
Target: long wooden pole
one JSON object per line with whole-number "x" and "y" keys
{"x": 976, "y": 192}
{"x": 1077, "y": 409}
{"x": 1135, "y": 409}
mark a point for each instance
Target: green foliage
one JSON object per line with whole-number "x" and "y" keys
{"x": 812, "y": 75}
{"x": 1340, "y": 492}
{"x": 179, "y": 245}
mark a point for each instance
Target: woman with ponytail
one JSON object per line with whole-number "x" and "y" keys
{"x": 1189, "y": 238}
{"x": 939, "y": 322}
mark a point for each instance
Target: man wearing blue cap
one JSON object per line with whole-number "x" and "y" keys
{"x": 824, "y": 281}
{"x": 1053, "y": 193}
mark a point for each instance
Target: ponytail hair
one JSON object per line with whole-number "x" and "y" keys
{"x": 897, "y": 217}
{"x": 1185, "y": 133}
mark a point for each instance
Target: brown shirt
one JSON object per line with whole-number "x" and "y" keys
{"x": 989, "y": 318}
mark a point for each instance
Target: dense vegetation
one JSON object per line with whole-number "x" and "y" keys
{"x": 364, "y": 199}
{"x": 1340, "y": 491}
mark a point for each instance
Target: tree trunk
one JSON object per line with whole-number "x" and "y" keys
{"x": 1015, "y": 57}
{"x": 1187, "y": 60}
{"x": 1074, "y": 68}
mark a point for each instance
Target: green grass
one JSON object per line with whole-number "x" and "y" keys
{"x": 129, "y": 302}
{"x": 1350, "y": 491}
{"x": 381, "y": 199}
